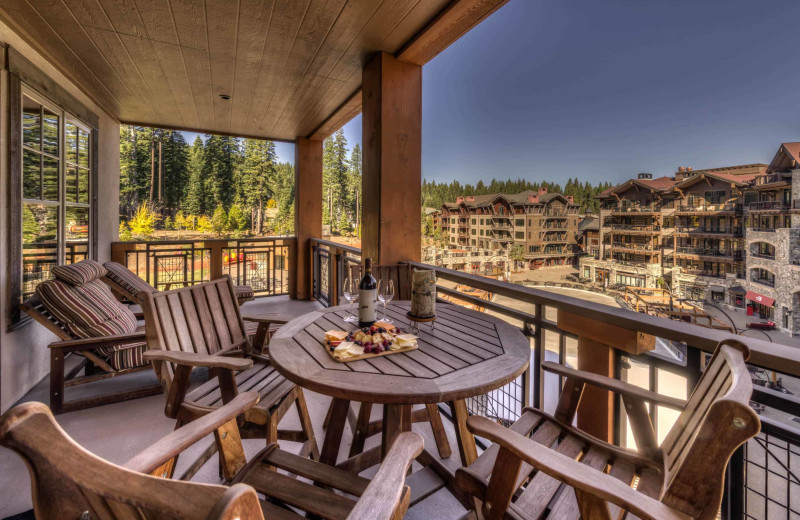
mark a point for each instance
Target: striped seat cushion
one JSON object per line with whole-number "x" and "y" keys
{"x": 128, "y": 356}
{"x": 87, "y": 311}
{"x": 126, "y": 279}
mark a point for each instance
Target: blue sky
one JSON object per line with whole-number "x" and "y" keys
{"x": 602, "y": 90}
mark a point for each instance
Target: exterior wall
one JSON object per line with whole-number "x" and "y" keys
{"x": 24, "y": 357}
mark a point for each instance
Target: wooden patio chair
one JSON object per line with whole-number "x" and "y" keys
{"x": 201, "y": 326}
{"x": 361, "y": 426}
{"x": 70, "y": 482}
{"x": 542, "y": 467}
{"x": 82, "y": 317}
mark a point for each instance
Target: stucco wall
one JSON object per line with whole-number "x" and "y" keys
{"x": 24, "y": 357}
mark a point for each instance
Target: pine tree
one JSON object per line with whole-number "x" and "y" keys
{"x": 220, "y": 167}
{"x": 336, "y": 196}
{"x": 256, "y": 179}
{"x": 197, "y": 199}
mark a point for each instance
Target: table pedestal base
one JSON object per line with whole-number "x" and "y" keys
{"x": 397, "y": 418}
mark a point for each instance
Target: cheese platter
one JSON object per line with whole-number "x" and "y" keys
{"x": 381, "y": 339}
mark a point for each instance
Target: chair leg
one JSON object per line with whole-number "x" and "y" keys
{"x": 305, "y": 421}
{"x": 442, "y": 444}
{"x": 56, "y": 381}
{"x": 360, "y": 433}
{"x": 327, "y": 416}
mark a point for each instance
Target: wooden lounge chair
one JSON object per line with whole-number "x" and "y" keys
{"x": 70, "y": 482}
{"x": 84, "y": 315}
{"x": 362, "y": 427}
{"x": 201, "y": 326}
{"x": 541, "y": 467}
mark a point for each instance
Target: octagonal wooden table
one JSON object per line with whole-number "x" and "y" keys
{"x": 467, "y": 353}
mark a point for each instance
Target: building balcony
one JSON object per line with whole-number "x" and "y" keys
{"x": 710, "y": 209}
{"x": 769, "y": 206}
{"x": 769, "y": 282}
{"x": 622, "y": 229}
{"x": 648, "y": 210}
{"x": 702, "y": 272}
{"x": 708, "y": 231}
{"x": 502, "y": 225}
{"x": 717, "y": 254}
{"x": 762, "y": 256}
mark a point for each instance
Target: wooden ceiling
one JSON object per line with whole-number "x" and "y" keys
{"x": 291, "y": 67}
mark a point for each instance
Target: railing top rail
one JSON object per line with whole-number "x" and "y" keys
{"x": 195, "y": 240}
{"x": 781, "y": 358}
{"x": 337, "y": 245}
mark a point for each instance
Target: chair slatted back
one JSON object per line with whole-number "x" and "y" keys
{"x": 68, "y": 481}
{"x": 34, "y": 308}
{"x": 400, "y": 274}
{"x": 203, "y": 319}
{"x": 717, "y": 419}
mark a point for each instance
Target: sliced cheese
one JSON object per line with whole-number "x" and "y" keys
{"x": 355, "y": 350}
{"x": 335, "y": 335}
{"x": 405, "y": 340}
{"x": 344, "y": 346}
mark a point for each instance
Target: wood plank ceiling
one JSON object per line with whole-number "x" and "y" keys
{"x": 288, "y": 65}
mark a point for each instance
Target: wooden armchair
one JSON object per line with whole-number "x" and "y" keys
{"x": 201, "y": 326}
{"x": 542, "y": 467}
{"x": 70, "y": 482}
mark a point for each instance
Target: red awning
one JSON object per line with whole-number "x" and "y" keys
{"x": 760, "y": 298}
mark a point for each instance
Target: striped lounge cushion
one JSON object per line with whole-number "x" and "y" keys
{"x": 127, "y": 279}
{"x": 90, "y": 311}
{"x": 78, "y": 273}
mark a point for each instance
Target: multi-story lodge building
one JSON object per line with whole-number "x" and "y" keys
{"x": 543, "y": 224}
{"x": 729, "y": 236}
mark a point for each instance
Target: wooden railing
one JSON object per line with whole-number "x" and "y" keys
{"x": 262, "y": 263}
{"x": 681, "y": 351}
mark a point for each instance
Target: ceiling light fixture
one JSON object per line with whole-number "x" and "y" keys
{"x": 224, "y": 97}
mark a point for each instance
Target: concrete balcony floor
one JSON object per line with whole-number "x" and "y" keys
{"x": 118, "y": 431}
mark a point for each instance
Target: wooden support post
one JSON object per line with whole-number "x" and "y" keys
{"x": 307, "y": 210}
{"x": 392, "y": 170}
{"x": 596, "y": 343}
{"x": 215, "y": 257}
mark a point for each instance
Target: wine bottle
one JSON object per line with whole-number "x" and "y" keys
{"x": 367, "y": 296}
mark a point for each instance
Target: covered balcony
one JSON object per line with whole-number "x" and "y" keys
{"x": 83, "y": 73}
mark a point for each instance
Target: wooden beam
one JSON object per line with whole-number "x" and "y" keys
{"x": 450, "y": 25}
{"x": 392, "y": 171}
{"x": 347, "y": 111}
{"x": 307, "y": 209}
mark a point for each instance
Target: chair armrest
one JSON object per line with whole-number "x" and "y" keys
{"x": 102, "y": 341}
{"x": 614, "y": 385}
{"x": 193, "y": 359}
{"x": 387, "y": 489}
{"x": 176, "y": 442}
{"x": 573, "y": 473}
{"x": 277, "y": 319}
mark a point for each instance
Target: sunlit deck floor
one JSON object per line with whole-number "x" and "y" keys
{"x": 117, "y": 432}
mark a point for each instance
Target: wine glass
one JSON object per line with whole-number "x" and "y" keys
{"x": 385, "y": 294}
{"x": 350, "y": 292}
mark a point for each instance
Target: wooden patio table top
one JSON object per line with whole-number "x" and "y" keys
{"x": 465, "y": 354}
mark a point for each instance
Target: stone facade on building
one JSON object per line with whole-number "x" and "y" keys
{"x": 726, "y": 235}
